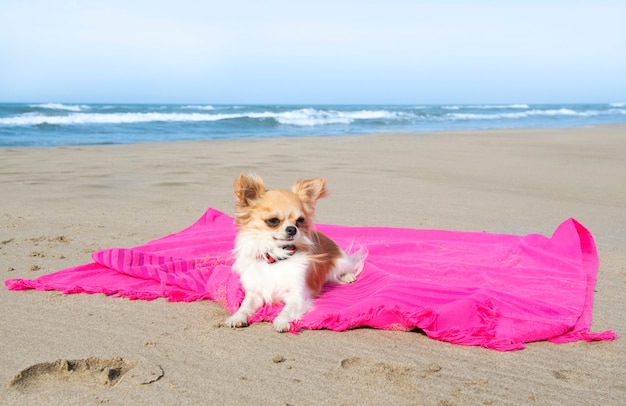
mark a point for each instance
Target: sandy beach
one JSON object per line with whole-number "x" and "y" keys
{"x": 60, "y": 204}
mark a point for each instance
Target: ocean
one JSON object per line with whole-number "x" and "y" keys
{"x": 56, "y": 124}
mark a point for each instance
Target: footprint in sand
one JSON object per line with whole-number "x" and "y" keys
{"x": 396, "y": 379}
{"x": 92, "y": 373}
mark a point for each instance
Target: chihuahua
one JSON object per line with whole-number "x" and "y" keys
{"x": 279, "y": 255}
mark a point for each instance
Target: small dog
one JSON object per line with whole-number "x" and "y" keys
{"x": 278, "y": 254}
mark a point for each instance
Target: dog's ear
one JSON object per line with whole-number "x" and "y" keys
{"x": 248, "y": 187}
{"x": 309, "y": 191}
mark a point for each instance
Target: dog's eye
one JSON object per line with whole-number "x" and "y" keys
{"x": 273, "y": 222}
{"x": 300, "y": 221}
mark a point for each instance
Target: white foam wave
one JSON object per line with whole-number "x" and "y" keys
{"x": 310, "y": 117}
{"x": 59, "y": 106}
{"x": 525, "y": 114}
{"x": 197, "y": 107}
{"x": 304, "y": 117}
{"x": 301, "y": 117}
{"x": 509, "y": 106}
{"x": 313, "y": 117}
{"x": 617, "y": 104}
{"x": 487, "y": 106}
{"x": 117, "y": 118}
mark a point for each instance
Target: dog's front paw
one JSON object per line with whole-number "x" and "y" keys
{"x": 236, "y": 321}
{"x": 281, "y": 325}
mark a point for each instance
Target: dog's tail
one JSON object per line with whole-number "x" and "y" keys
{"x": 356, "y": 255}
{"x": 349, "y": 266}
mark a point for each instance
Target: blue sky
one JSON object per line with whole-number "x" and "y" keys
{"x": 319, "y": 51}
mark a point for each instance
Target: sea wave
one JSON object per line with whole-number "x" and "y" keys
{"x": 59, "y": 106}
{"x": 68, "y": 124}
{"x": 525, "y": 114}
{"x": 300, "y": 117}
{"x": 115, "y": 118}
{"x": 197, "y": 107}
{"x": 487, "y": 106}
{"x": 314, "y": 117}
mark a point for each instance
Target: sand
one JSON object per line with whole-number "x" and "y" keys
{"x": 60, "y": 204}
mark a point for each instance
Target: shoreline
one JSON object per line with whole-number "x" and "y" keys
{"x": 346, "y": 135}
{"x": 62, "y": 203}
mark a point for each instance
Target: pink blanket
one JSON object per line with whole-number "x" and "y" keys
{"x": 492, "y": 290}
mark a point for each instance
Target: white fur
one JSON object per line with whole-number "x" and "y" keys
{"x": 283, "y": 281}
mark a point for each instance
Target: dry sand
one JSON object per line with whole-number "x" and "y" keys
{"x": 60, "y": 204}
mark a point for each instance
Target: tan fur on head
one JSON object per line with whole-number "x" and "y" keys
{"x": 247, "y": 188}
{"x": 310, "y": 191}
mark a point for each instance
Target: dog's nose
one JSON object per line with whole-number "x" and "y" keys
{"x": 291, "y": 230}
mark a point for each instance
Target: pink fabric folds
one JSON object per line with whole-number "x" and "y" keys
{"x": 492, "y": 290}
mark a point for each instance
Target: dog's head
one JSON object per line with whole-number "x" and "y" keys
{"x": 283, "y": 216}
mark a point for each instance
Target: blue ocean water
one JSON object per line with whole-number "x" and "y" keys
{"x": 54, "y": 124}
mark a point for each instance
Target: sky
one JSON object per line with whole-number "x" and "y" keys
{"x": 312, "y": 52}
